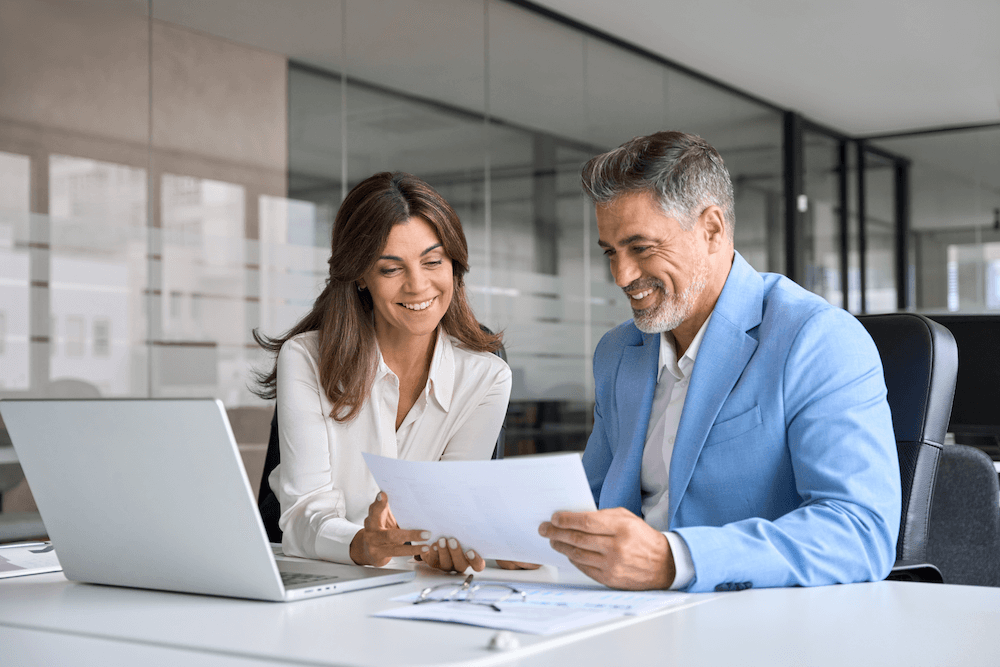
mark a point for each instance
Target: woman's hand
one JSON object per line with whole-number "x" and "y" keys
{"x": 382, "y": 539}
{"x": 516, "y": 565}
{"x": 447, "y": 554}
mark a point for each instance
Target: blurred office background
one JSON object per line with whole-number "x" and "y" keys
{"x": 170, "y": 171}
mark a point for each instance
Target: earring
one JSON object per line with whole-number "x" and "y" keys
{"x": 360, "y": 288}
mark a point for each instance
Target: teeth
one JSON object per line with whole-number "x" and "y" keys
{"x": 418, "y": 306}
{"x": 641, "y": 295}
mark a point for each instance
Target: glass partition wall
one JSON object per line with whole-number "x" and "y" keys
{"x": 170, "y": 172}
{"x": 953, "y": 262}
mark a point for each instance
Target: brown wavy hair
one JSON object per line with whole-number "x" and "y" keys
{"x": 348, "y": 357}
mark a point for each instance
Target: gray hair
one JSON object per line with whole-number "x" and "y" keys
{"x": 683, "y": 172}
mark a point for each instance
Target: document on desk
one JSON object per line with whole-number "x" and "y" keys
{"x": 547, "y": 609}
{"x": 17, "y": 560}
{"x": 494, "y": 507}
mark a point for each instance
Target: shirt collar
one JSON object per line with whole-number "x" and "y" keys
{"x": 440, "y": 378}
{"x": 668, "y": 353}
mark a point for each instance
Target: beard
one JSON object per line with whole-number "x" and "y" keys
{"x": 673, "y": 308}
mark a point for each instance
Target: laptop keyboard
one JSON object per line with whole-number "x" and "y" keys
{"x": 301, "y": 579}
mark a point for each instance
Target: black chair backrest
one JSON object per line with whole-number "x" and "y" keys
{"x": 920, "y": 362}
{"x": 267, "y": 501}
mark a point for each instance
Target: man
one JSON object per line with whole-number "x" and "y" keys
{"x": 741, "y": 431}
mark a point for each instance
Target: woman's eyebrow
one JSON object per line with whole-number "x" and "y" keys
{"x": 400, "y": 259}
{"x": 436, "y": 245}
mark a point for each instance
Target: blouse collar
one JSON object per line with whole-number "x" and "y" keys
{"x": 441, "y": 378}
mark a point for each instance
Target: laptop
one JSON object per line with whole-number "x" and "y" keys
{"x": 153, "y": 494}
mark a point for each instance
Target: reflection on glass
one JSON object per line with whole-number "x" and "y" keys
{"x": 15, "y": 181}
{"x": 821, "y": 227}
{"x": 201, "y": 345}
{"x": 853, "y": 237}
{"x": 974, "y": 277}
{"x": 955, "y": 202}
{"x": 294, "y": 248}
{"x": 880, "y": 232}
{"x": 97, "y": 273}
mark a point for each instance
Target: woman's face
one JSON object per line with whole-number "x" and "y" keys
{"x": 411, "y": 284}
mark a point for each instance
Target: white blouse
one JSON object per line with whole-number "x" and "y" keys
{"x": 322, "y": 482}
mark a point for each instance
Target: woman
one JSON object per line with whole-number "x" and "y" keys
{"x": 390, "y": 361}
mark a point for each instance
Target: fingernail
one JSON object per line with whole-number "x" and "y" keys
{"x": 442, "y": 543}
{"x": 424, "y": 549}
{"x": 471, "y": 555}
{"x": 380, "y": 497}
{"x": 435, "y": 547}
{"x": 425, "y": 535}
{"x": 453, "y": 543}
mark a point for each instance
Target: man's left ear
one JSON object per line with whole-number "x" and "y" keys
{"x": 714, "y": 223}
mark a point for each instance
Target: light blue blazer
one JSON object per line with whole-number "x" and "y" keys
{"x": 784, "y": 470}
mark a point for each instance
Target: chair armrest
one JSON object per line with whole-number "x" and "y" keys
{"x": 905, "y": 570}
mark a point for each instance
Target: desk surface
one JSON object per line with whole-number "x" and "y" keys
{"x": 45, "y": 619}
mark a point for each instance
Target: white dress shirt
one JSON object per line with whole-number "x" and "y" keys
{"x": 672, "y": 381}
{"x": 322, "y": 482}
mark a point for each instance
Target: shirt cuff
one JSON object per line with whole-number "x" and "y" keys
{"x": 333, "y": 542}
{"x": 682, "y": 561}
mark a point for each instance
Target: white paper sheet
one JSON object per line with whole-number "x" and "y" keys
{"x": 531, "y": 620}
{"x": 549, "y": 608}
{"x": 494, "y": 507}
{"x": 27, "y": 558}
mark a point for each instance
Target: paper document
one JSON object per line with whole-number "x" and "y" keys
{"x": 547, "y": 608}
{"x": 27, "y": 558}
{"x": 531, "y": 620}
{"x": 494, "y": 507}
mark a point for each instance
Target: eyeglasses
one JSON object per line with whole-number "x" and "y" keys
{"x": 488, "y": 595}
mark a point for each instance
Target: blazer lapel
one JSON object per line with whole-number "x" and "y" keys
{"x": 724, "y": 353}
{"x": 634, "y": 389}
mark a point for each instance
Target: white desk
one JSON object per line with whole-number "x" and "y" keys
{"x": 46, "y": 620}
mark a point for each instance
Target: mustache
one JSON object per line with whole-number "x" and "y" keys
{"x": 641, "y": 284}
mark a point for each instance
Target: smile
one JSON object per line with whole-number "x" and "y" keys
{"x": 641, "y": 295}
{"x": 423, "y": 305}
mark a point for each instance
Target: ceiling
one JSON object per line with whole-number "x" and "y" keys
{"x": 860, "y": 66}
{"x": 863, "y": 67}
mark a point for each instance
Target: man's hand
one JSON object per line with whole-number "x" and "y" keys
{"x": 382, "y": 539}
{"x": 613, "y": 547}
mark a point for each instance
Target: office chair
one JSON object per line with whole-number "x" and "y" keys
{"x": 267, "y": 501}
{"x": 920, "y": 363}
{"x": 964, "y": 535}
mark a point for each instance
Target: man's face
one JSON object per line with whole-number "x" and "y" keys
{"x": 662, "y": 268}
